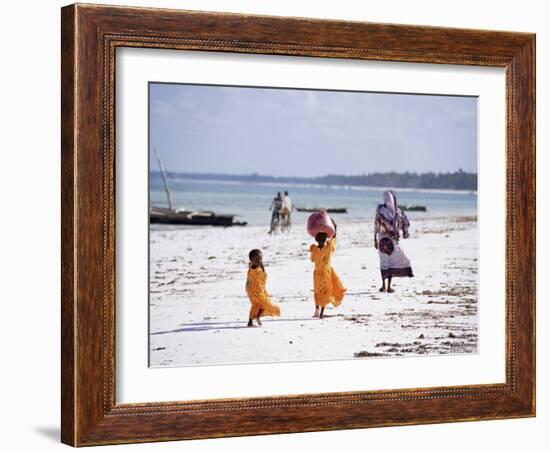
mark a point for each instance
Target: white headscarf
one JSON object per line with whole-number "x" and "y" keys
{"x": 389, "y": 209}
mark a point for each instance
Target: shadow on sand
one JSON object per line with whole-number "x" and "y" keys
{"x": 199, "y": 327}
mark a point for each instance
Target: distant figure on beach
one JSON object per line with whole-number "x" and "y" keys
{"x": 255, "y": 289}
{"x": 286, "y": 211}
{"x": 389, "y": 220}
{"x": 327, "y": 286}
{"x": 276, "y": 206}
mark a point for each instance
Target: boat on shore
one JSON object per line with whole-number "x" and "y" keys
{"x": 328, "y": 210}
{"x": 161, "y": 215}
{"x": 183, "y": 216}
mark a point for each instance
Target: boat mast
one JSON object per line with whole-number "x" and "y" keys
{"x": 163, "y": 174}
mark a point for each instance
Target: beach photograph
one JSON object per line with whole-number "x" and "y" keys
{"x": 295, "y": 225}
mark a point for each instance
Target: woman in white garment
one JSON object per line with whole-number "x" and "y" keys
{"x": 286, "y": 211}
{"x": 388, "y": 223}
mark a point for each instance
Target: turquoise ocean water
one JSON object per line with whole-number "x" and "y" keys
{"x": 251, "y": 201}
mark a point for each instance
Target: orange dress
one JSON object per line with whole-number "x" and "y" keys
{"x": 327, "y": 286}
{"x": 259, "y": 299}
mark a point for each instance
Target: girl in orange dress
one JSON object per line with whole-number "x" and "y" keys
{"x": 255, "y": 288}
{"x": 327, "y": 286}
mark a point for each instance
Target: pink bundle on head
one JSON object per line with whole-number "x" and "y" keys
{"x": 320, "y": 222}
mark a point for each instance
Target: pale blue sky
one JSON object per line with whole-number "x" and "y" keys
{"x": 284, "y": 132}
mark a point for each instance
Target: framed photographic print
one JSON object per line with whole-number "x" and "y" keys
{"x": 278, "y": 225}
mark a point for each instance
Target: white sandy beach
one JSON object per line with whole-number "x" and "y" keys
{"x": 199, "y": 307}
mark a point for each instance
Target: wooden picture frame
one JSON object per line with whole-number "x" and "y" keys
{"x": 90, "y": 35}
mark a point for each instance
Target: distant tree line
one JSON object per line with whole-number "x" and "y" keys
{"x": 459, "y": 180}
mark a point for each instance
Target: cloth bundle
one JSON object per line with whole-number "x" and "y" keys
{"x": 320, "y": 222}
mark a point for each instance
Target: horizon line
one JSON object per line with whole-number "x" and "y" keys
{"x": 257, "y": 174}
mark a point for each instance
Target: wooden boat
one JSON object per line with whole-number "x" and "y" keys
{"x": 160, "y": 215}
{"x": 328, "y": 210}
{"x": 170, "y": 215}
{"x": 413, "y": 208}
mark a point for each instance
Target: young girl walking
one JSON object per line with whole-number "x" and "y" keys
{"x": 255, "y": 289}
{"x": 327, "y": 286}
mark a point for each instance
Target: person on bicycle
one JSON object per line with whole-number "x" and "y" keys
{"x": 276, "y": 205}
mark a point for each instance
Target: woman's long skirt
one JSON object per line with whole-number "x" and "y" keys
{"x": 395, "y": 265}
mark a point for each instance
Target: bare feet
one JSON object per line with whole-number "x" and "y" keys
{"x": 382, "y": 289}
{"x": 391, "y": 290}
